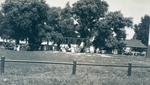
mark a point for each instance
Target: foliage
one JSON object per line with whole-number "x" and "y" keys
{"x": 95, "y": 21}
{"x": 88, "y": 12}
{"x": 36, "y": 22}
{"x": 142, "y": 29}
{"x": 111, "y": 30}
{"x": 116, "y": 21}
{"x": 52, "y": 24}
{"x": 66, "y": 22}
{"x": 5, "y": 32}
{"x": 26, "y": 20}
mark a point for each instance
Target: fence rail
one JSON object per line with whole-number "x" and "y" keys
{"x": 40, "y": 62}
{"x": 74, "y": 64}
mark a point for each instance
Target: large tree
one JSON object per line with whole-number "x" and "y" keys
{"x": 26, "y": 19}
{"x": 142, "y": 29}
{"x": 95, "y": 21}
{"x": 52, "y": 26}
{"x": 5, "y": 32}
{"x": 66, "y": 23}
{"x": 111, "y": 30}
{"x": 88, "y": 12}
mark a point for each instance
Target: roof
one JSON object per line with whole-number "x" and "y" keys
{"x": 134, "y": 43}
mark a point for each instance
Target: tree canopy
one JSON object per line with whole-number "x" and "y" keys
{"x": 26, "y": 20}
{"x": 88, "y": 12}
{"x": 142, "y": 29}
{"x": 35, "y": 21}
{"x": 111, "y": 30}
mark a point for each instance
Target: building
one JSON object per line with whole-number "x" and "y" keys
{"x": 135, "y": 47}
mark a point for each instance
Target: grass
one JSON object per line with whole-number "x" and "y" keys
{"x": 41, "y": 74}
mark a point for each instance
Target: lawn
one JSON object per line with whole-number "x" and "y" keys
{"x": 41, "y": 74}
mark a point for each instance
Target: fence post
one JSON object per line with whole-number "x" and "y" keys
{"x": 74, "y": 67}
{"x": 2, "y": 64}
{"x": 129, "y": 69}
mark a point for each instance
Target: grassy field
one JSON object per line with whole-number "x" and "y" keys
{"x": 40, "y": 74}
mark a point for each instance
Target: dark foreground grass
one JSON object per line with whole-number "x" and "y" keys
{"x": 41, "y": 74}
{"x": 36, "y": 74}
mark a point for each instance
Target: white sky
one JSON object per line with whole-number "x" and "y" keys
{"x": 130, "y": 8}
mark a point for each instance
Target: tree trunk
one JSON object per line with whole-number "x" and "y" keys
{"x": 34, "y": 44}
{"x": 47, "y": 47}
{"x": 17, "y": 41}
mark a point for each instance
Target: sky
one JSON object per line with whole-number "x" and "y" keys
{"x": 130, "y": 8}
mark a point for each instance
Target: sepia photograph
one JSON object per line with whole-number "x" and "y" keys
{"x": 74, "y": 42}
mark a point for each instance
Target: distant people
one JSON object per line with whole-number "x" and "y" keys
{"x": 97, "y": 50}
{"x": 103, "y": 51}
{"x": 17, "y": 48}
{"x": 64, "y": 47}
{"x": 92, "y": 49}
{"x": 54, "y": 47}
{"x": 82, "y": 45}
{"x": 73, "y": 48}
{"x": 115, "y": 51}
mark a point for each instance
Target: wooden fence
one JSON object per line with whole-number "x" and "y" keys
{"x": 74, "y": 65}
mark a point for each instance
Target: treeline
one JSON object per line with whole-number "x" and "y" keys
{"x": 142, "y": 29}
{"x": 35, "y": 22}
